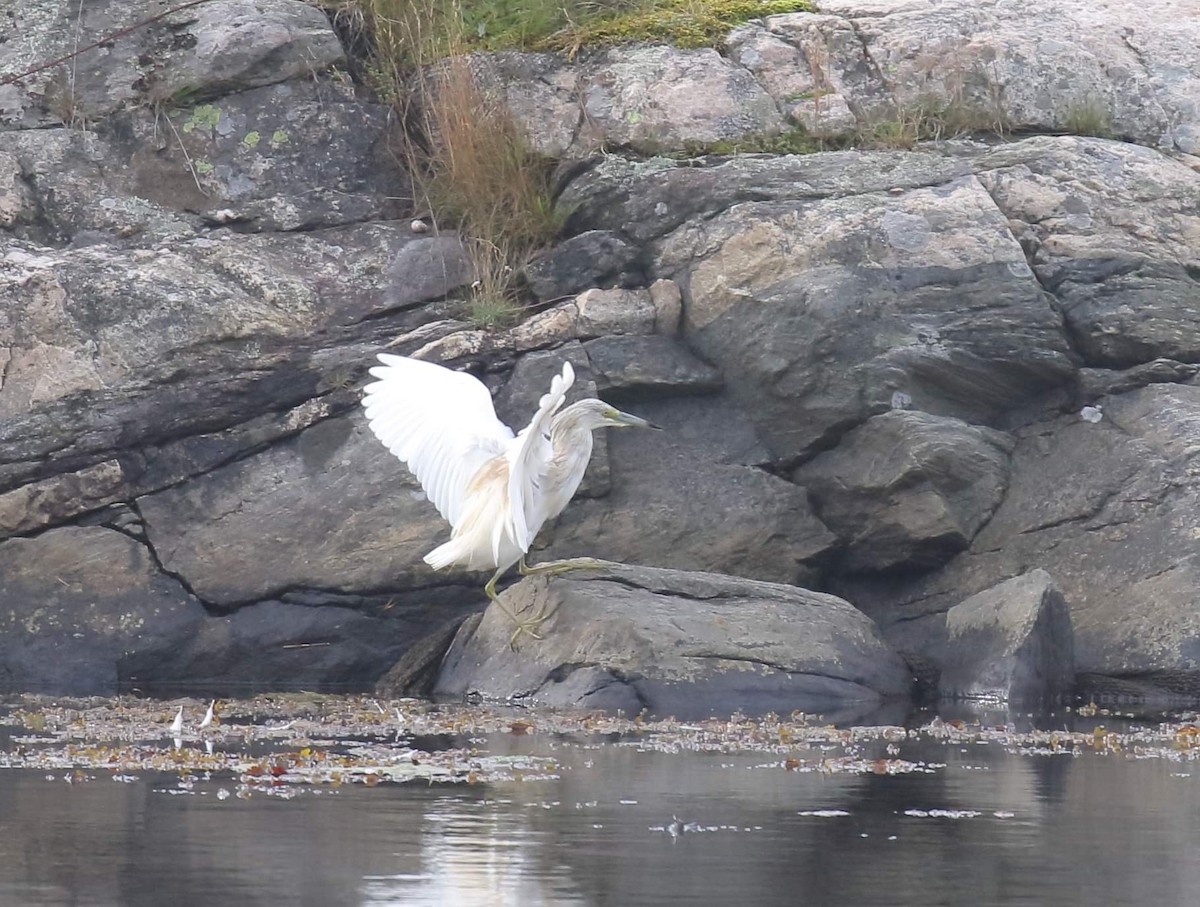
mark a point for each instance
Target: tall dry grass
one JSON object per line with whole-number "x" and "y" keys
{"x": 471, "y": 166}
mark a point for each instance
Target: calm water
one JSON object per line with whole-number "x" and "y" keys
{"x": 1051, "y": 829}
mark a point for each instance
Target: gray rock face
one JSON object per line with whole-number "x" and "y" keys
{"x": 1109, "y": 509}
{"x": 1010, "y": 643}
{"x": 82, "y": 610}
{"x": 200, "y": 52}
{"x": 114, "y": 353}
{"x": 638, "y": 366}
{"x": 816, "y": 68}
{"x": 673, "y": 642}
{"x": 907, "y": 489}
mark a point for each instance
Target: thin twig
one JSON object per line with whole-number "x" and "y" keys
{"x": 111, "y": 36}
{"x": 186, "y": 157}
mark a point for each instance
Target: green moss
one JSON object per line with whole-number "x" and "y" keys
{"x": 683, "y": 23}
{"x": 205, "y": 116}
{"x": 251, "y": 139}
{"x": 563, "y": 25}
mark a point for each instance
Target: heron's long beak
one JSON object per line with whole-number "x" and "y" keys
{"x": 634, "y": 421}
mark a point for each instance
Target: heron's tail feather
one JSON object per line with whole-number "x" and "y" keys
{"x": 444, "y": 555}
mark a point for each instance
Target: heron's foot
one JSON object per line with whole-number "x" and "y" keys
{"x": 530, "y": 626}
{"x": 556, "y": 568}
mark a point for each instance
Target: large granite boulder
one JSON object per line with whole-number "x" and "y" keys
{"x": 877, "y": 70}
{"x": 636, "y": 638}
{"x": 823, "y": 286}
{"x": 664, "y": 97}
{"x": 1126, "y": 284}
{"x": 819, "y": 313}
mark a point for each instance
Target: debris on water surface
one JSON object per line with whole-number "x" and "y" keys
{"x": 943, "y": 813}
{"x": 278, "y": 743}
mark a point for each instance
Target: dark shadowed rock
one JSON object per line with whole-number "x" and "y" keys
{"x": 299, "y": 155}
{"x": 415, "y": 674}
{"x": 597, "y": 258}
{"x": 1012, "y": 642}
{"x": 82, "y": 609}
{"x": 907, "y": 489}
{"x": 280, "y": 646}
{"x": 644, "y": 200}
{"x": 294, "y": 156}
{"x": 648, "y": 365}
{"x": 426, "y": 268}
{"x": 684, "y": 643}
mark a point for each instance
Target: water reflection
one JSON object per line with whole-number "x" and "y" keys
{"x": 1111, "y": 830}
{"x": 478, "y": 854}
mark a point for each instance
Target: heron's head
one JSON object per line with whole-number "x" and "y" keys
{"x": 592, "y": 414}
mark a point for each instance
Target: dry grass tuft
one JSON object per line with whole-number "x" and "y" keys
{"x": 472, "y": 168}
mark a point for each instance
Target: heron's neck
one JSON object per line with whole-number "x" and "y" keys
{"x": 571, "y": 430}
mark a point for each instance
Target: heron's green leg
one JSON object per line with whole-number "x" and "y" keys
{"x": 555, "y": 568}
{"x": 523, "y": 626}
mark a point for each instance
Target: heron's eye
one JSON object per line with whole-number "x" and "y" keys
{"x": 610, "y": 413}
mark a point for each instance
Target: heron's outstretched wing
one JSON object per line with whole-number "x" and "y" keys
{"x": 441, "y": 423}
{"x": 528, "y": 457}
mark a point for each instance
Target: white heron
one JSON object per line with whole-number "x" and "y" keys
{"x": 496, "y": 489}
